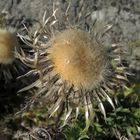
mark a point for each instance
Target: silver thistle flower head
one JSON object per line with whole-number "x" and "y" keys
{"x": 10, "y": 67}
{"x": 75, "y": 70}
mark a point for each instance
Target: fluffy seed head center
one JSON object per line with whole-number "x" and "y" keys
{"x": 78, "y": 59}
{"x": 7, "y": 43}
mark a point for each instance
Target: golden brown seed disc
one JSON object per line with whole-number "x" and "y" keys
{"x": 78, "y": 59}
{"x": 7, "y": 43}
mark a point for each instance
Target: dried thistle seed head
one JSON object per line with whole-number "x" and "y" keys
{"x": 78, "y": 58}
{"x": 74, "y": 70}
{"x": 10, "y": 66}
{"x": 8, "y": 41}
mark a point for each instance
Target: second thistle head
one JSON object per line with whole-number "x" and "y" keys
{"x": 8, "y": 41}
{"x": 10, "y": 65}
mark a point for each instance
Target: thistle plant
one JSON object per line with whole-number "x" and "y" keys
{"x": 10, "y": 67}
{"x": 75, "y": 71}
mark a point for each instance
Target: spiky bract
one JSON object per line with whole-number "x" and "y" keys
{"x": 75, "y": 71}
